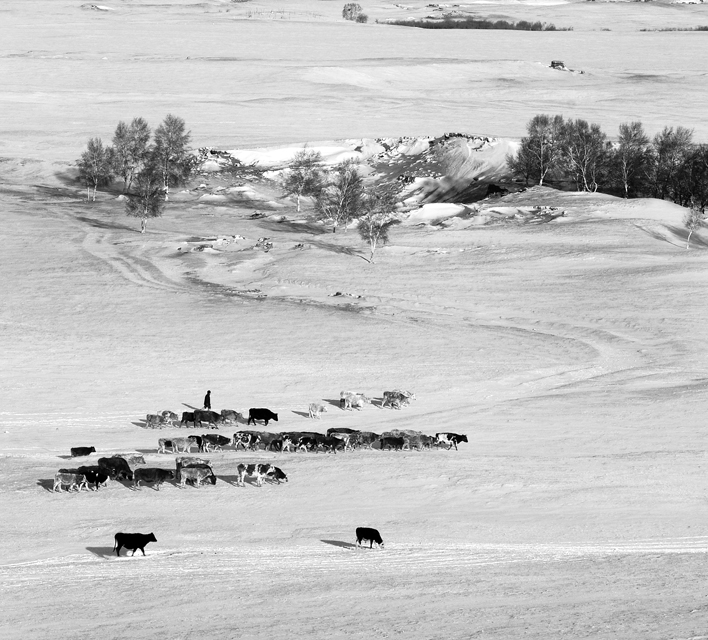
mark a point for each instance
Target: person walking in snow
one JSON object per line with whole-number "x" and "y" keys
{"x": 207, "y": 400}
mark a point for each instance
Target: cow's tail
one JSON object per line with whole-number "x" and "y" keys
{"x": 115, "y": 546}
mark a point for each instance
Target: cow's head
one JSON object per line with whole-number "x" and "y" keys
{"x": 151, "y": 537}
{"x": 462, "y": 439}
{"x": 212, "y": 478}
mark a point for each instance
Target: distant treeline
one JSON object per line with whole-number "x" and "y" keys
{"x": 669, "y": 166}
{"x": 477, "y": 23}
{"x": 698, "y": 28}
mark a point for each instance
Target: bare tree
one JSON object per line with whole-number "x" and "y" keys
{"x": 585, "y": 151}
{"x": 632, "y": 158}
{"x": 131, "y": 144}
{"x": 95, "y": 166}
{"x": 339, "y": 201}
{"x": 171, "y": 152}
{"x": 378, "y": 217}
{"x": 694, "y": 219}
{"x": 540, "y": 151}
{"x": 148, "y": 201}
{"x": 304, "y": 176}
{"x": 672, "y": 148}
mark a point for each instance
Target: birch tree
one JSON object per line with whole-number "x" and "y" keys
{"x": 171, "y": 152}
{"x": 95, "y": 166}
{"x": 378, "y": 207}
{"x": 340, "y": 198}
{"x": 304, "y": 176}
{"x": 148, "y": 199}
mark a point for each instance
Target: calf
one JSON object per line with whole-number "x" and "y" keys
{"x": 261, "y": 414}
{"x": 169, "y": 417}
{"x": 196, "y": 475}
{"x": 369, "y": 535}
{"x": 152, "y": 475}
{"x": 450, "y": 439}
{"x": 132, "y": 541}
{"x": 230, "y": 416}
{"x": 77, "y": 452}
{"x": 116, "y": 468}
{"x": 153, "y": 421}
{"x": 77, "y": 480}
{"x": 391, "y": 442}
{"x": 316, "y": 410}
{"x": 350, "y": 400}
{"x": 131, "y": 458}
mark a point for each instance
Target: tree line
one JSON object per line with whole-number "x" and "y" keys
{"x": 148, "y": 164}
{"x": 669, "y": 166}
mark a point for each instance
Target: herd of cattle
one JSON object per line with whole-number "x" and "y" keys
{"x": 198, "y": 471}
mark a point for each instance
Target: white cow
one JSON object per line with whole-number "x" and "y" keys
{"x": 317, "y": 409}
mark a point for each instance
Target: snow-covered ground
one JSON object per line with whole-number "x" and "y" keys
{"x": 570, "y": 349}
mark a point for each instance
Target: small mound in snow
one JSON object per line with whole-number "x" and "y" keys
{"x": 431, "y": 213}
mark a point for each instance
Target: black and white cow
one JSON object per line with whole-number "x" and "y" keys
{"x": 132, "y": 541}
{"x": 450, "y": 439}
{"x": 214, "y": 442}
{"x": 259, "y": 472}
{"x": 249, "y": 440}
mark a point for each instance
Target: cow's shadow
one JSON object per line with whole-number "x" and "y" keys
{"x": 146, "y": 450}
{"x": 140, "y": 423}
{"x": 334, "y": 403}
{"x": 102, "y": 552}
{"x": 47, "y": 485}
{"x": 69, "y": 457}
{"x": 304, "y": 414}
{"x": 232, "y": 480}
{"x": 340, "y": 543}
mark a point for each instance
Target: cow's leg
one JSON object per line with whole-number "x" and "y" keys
{"x": 120, "y": 546}
{"x": 455, "y": 443}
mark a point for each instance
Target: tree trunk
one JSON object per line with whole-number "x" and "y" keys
{"x": 688, "y": 240}
{"x": 298, "y": 202}
{"x": 88, "y": 193}
{"x": 95, "y": 185}
{"x": 143, "y": 225}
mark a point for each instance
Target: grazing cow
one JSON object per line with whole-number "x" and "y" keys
{"x": 363, "y": 439}
{"x": 132, "y": 541}
{"x": 116, "y": 468}
{"x": 196, "y": 475}
{"x": 187, "y": 417}
{"x": 152, "y": 475}
{"x": 77, "y": 452}
{"x": 450, "y": 439}
{"x": 391, "y": 442}
{"x": 131, "y": 458}
{"x": 261, "y": 414}
{"x": 214, "y": 441}
{"x": 230, "y": 416}
{"x": 169, "y": 417}
{"x": 211, "y": 417}
{"x": 184, "y": 445}
{"x": 350, "y": 400}
{"x": 154, "y": 421}
{"x": 367, "y": 534}
{"x": 247, "y": 439}
{"x": 95, "y": 475}
{"x": 162, "y": 445}
{"x": 257, "y": 471}
{"x": 316, "y": 410}
{"x": 77, "y": 480}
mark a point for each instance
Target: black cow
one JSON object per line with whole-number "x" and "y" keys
{"x": 450, "y": 439}
{"x": 132, "y": 541}
{"x": 94, "y": 475}
{"x": 116, "y": 468}
{"x": 187, "y": 417}
{"x": 214, "y": 441}
{"x": 330, "y": 443}
{"x": 392, "y": 443}
{"x": 77, "y": 452}
{"x": 212, "y": 417}
{"x": 261, "y": 414}
{"x": 152, "y": 475}
{"x": 367, "y": 533}
{"x": 306, "y": 443}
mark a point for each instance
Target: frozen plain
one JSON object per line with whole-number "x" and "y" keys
{"x": 572, "y": 354}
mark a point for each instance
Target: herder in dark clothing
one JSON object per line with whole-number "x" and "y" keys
{"x": 207, "y": 400}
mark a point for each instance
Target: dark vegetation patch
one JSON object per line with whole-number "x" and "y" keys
{"x": 478, "y": 23}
